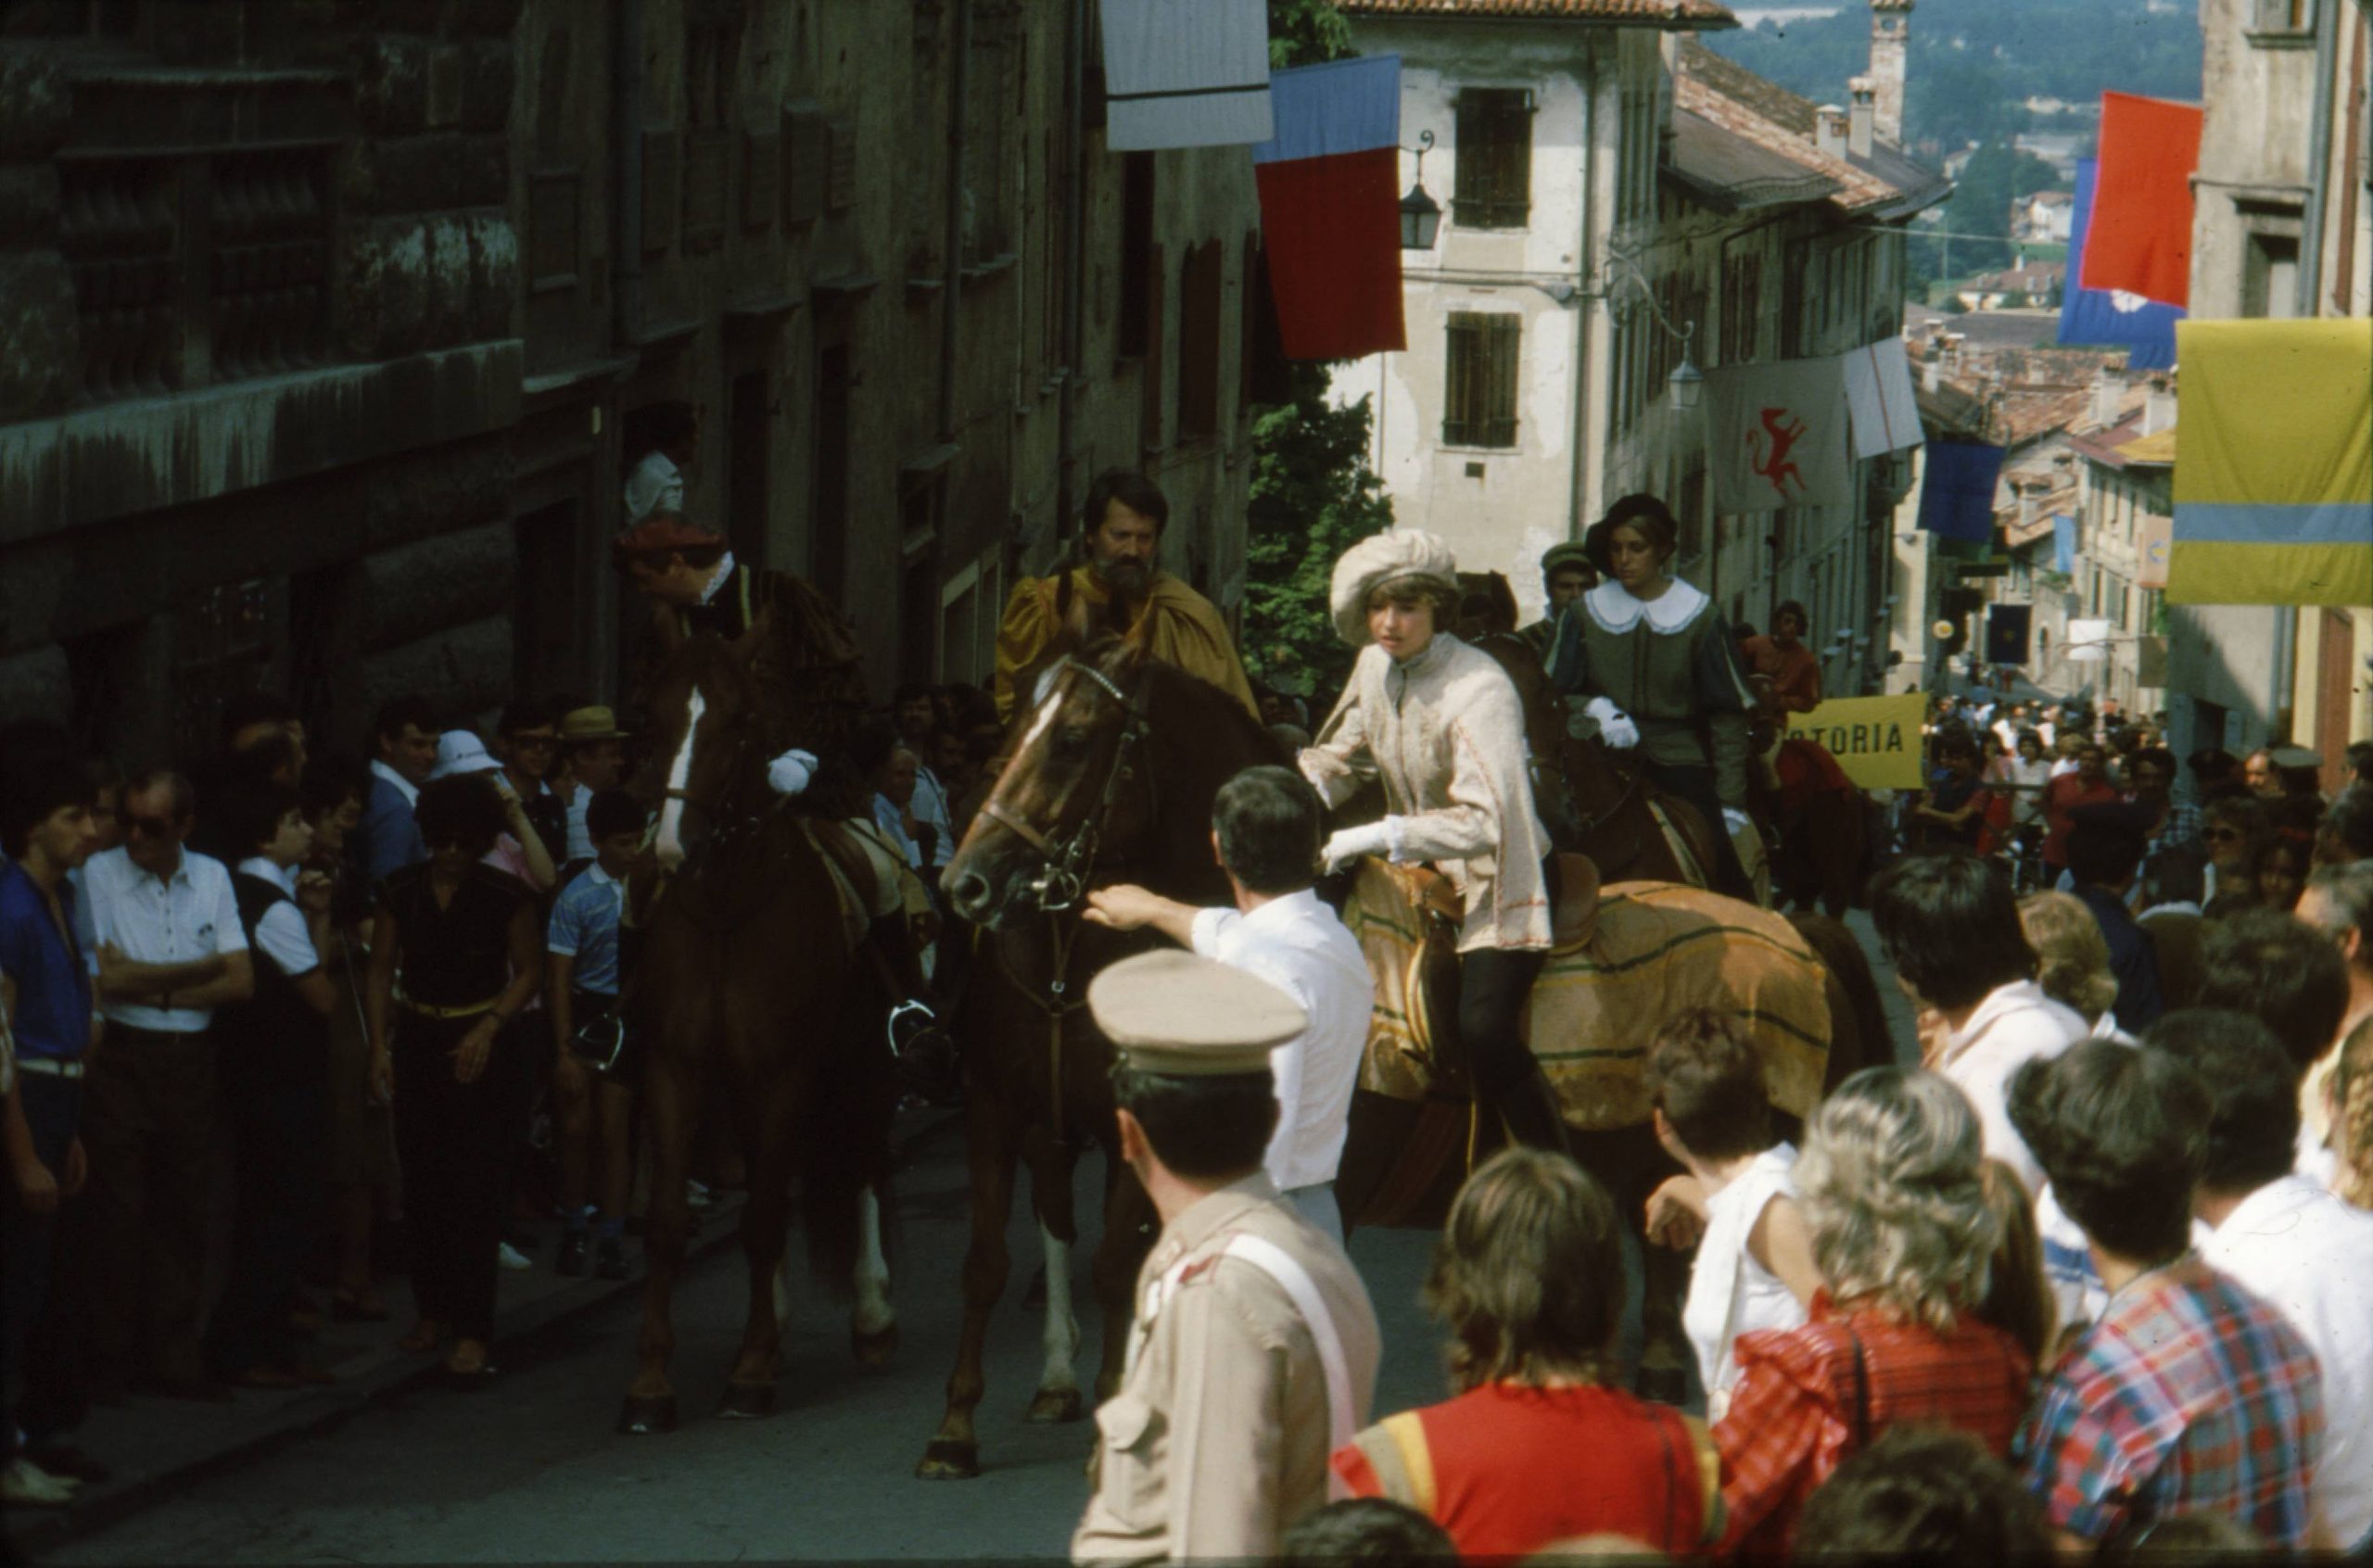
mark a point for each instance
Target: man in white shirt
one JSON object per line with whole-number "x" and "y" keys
{"x": 1265, "y": 831}
{"x": 2291, "y": 1243}
{"x": 404, "y": 735}
{"x": 656, "y": 482}
{"x": 1949, "y": 924}
{"x": 171, "y": 951}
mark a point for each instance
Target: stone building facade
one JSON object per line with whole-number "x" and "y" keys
{"x": 330, "y": 327}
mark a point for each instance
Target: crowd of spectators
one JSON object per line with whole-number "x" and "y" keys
{"x": 281, "y": 1024}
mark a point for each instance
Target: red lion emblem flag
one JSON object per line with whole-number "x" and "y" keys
{"x": 1776, "y": 435}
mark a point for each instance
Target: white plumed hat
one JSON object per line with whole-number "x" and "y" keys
{"x": 1384, "y": 558}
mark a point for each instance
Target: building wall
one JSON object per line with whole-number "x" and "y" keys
{"x": 417, "y": 492}
{"x": 2254, "y": 159}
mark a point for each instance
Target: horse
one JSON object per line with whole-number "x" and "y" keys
{"x": 1116, "y": 764}
{"x": 744, "y": 981}
{"x": 1417, "y": 1130}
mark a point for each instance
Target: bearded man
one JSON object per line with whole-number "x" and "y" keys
{"x": 1119, "y": 587}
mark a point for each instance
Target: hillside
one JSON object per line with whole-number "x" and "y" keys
{"x": 1974, "y": 63}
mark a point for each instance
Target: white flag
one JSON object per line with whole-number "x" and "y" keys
{"x": 1186, "y": 73}
{"x": 1878, "y": 390}
{"x": 1776, "y": 435}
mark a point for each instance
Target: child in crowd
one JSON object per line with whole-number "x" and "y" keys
{"x": 1754, "y": 1264}
{"x": 584, "y": 972}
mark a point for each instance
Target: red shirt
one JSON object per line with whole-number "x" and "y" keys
{"x": 2060, "y": 796}
{"x": 1506, "y": 1470}
{"x": 1793, "y": 672}
{"x": 1794, "y": 1414}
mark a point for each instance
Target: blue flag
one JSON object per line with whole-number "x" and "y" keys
{"x": 1957, "y": 497}
{"x": 2098, "y": 316}
{"x": 2063, "y": 544}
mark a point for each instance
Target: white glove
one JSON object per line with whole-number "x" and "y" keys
{"x": 1349, "y": 843}
{"x": 1735, "y": 820}
{"x": 790, "y": 773}
{"x": 1614, "y": 727}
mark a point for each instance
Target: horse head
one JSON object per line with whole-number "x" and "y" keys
{"x": 1077, "y": 780}
{"x": 714, "y": 724}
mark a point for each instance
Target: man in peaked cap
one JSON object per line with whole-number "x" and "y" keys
{"x": 1254, "y": 1351}
{"x": 1566, "y": 574}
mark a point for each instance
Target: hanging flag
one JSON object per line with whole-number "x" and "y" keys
{"x": 2109, "y": 318}
{"x": 1186, "y": 73}
{"x": 1957, "y": 496}
{"x": 2273, "y": 473}
{"x": 1330, "y": 208}
{"x": 2063, "y": 544}
{"x": 2154, "y": 539}
{"x": 1878, "y": 393}
{"x": 2140, "y": 239}
{"x": 2006, "y": 633}
{"x": 1776, "y": 435}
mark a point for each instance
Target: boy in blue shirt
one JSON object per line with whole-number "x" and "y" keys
{"x": 582, "y": 981}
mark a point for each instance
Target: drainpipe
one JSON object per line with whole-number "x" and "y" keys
{"x": 1074, "y": 258}
{"x": 953, "y": 294}
{"x": 1591, "y": 300}
{"x": 2319, "y": 155}
{"x": 626, "y": 171}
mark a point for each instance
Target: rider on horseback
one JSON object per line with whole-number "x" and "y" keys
{"x": 1438, "y": 723}
{"x": 1660, "y": 669}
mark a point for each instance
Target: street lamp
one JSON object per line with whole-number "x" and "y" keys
{"x": 1421, "y": 215}
{"x": 1687, "y": 381}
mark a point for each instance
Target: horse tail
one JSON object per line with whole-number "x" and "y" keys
{"x": 1856, "y": 988}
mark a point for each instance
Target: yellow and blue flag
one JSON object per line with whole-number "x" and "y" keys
{"x": 2274, "y": 469}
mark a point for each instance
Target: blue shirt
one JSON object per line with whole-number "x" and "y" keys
{"x": 584, "y": 927}
{"x": 52, "y": 1016}
{"x": 390, "y": 837}
{"x": 2133, "y": 960}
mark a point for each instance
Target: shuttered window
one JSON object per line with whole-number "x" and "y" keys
{"x": 1200, "y": 283}
{"x": 1480, "y": 399}
{"x": 1494, "y": 159}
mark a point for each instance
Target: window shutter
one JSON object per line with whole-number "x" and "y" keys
{"x": 1492, "y": 160}
{"x": 1459, "y": 351}
{"x": 1479, "y": 401}
{"x": 1500, "y": 363}
{"x": 1156, "y": 345}
{"x": 840, "y": 173}
{"x": 806, "y": 141}
{"x": 1198, "y": 342}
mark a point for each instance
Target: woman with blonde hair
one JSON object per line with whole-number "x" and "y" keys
{"x": 1538, "y": 1446}
{"x": 1889, "y": 1182}
{"x": 2350, "y": 1089}
{"x": 2072, "y": 958}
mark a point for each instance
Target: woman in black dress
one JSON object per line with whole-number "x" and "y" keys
{"x": 454, "y": 956}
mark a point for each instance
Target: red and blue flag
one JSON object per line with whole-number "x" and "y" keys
{"x": 2140, "y": 239}
{"x": 2112, "y": 317}
{"x": 1330, "y": 208}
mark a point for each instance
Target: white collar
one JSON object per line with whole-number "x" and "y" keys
{"x": 1612, "y": 606}
{"x": 2003, "y": 1000}
{"x": 2173, "y": 906}
{"x": 602, "y": 878}
{"x": 282, "y": 877}
{"x": 410, "y": 790}
{"x": 1285, "y": 909}
{"x": 724, "y": 570}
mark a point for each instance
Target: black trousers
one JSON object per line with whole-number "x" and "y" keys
{"x": 53, "y": 1109}
{"x": 280, "y": 1154}
{"x": 1696, "y": 784}
{"x": 148, "y": 1129}
{"x": 455, "y": 1143}
{"x": 1493, "y": 984}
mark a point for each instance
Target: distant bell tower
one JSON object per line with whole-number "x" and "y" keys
{"x": 1890, "y": 40}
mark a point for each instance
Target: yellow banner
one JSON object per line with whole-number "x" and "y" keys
{"x": 1875, "y": 739}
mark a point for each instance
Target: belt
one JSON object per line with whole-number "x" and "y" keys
{"x": 50, "y": 1066}
{"x": 469, "y": 1009}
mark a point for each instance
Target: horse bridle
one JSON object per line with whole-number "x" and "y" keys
{"x": 715, "y": 814}
{"x": 1070, "y": 858}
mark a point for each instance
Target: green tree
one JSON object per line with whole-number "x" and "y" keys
{"x": 1306, "y": 32}
{"x": 1313, "y": 497}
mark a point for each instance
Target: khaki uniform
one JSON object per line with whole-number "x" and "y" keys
{"x": 1219, "y": 1437}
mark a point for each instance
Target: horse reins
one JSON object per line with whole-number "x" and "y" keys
{"x": 1070, "y": 862}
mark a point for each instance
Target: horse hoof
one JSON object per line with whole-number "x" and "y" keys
{"x": 1663, "y": 1385}
{"x": 947, "y": 1460}
{"x": 747, "y": 1401}
{"x": 874, "y": 1349}
{"x": 645, "y": 1414}
{"x": 1051, "y": 1407}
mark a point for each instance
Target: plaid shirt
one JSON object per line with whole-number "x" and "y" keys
{"x": 1793, "y": 1415}
{"x": 2190, "y": 1395}
{"x": 2182, "y": 827}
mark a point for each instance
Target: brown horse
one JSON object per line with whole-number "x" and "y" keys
{"x": 1414, "y": 1131}
{"x": 742, "y": 985}
{"x": 1112, "y": 776}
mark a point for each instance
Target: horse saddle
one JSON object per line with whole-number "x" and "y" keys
{"x": 1622, "y": 960}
